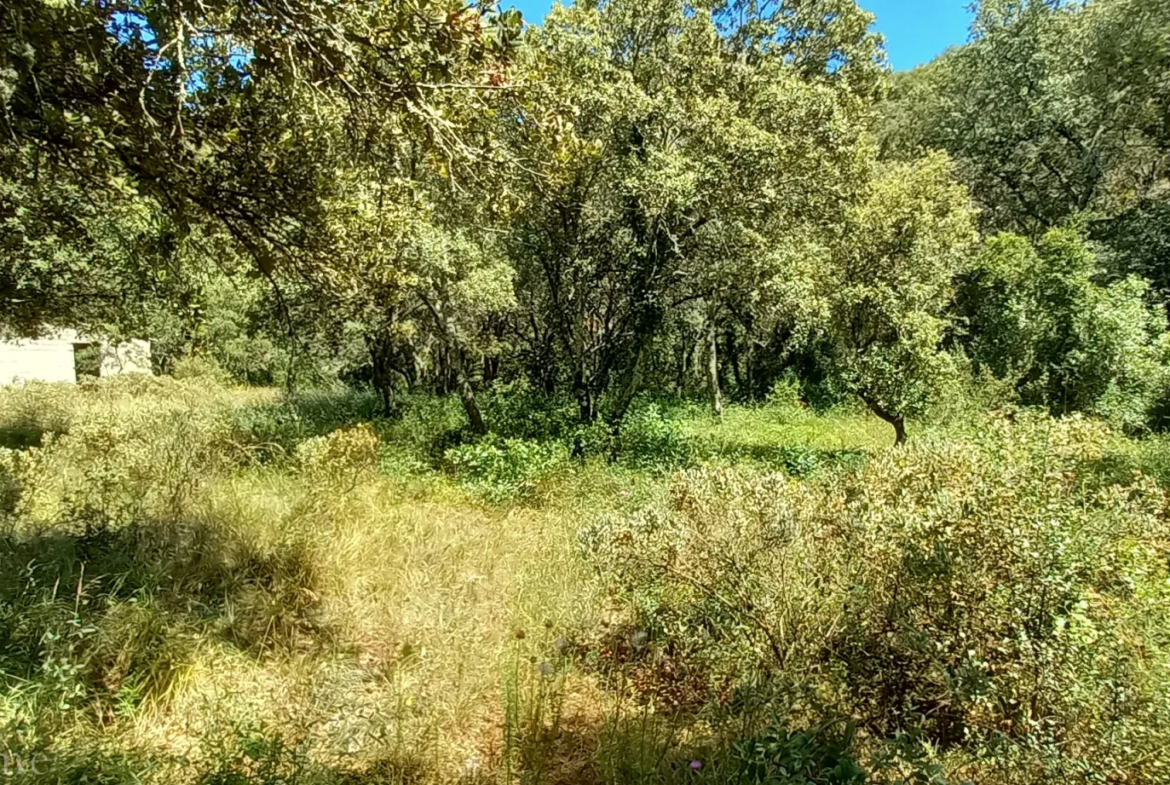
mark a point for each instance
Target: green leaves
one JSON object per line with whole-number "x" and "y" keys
{"x": 889, "y": 284}
{"x": 1036, "y": 316}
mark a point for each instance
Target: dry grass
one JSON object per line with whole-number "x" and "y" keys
{"x": 383, "y": 623}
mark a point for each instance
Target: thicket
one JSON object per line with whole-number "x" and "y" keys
{"x": 993, "y": 600}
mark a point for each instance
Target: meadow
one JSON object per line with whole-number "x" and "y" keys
{"x": 213, "y": 585}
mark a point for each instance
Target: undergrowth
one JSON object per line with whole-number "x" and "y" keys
{"x": 206, "y": 585}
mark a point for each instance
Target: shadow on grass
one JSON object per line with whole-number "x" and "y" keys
{"x": 108, "y": 617}
{"x": 21, "y": 433}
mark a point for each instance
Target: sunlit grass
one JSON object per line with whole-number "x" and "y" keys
{"x": 387, "y": 621}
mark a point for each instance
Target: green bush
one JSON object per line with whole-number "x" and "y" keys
{"x": 204, "y": 368}
{"x": 257, "y": 758}
{"x": 651, "y": 439}
{"x": 339, "y": 461}
{"x": 28, "y": 412}
{"x": 990, "y": 595}
{"x": 1036, "y": 316}
{"x": 500, "y": 469}
{"x": 816, "y": 756}
{"x": 516, "y": 411}
{"x": 117, "y": 466}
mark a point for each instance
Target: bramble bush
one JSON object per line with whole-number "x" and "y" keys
{"x": 992, "y": 596}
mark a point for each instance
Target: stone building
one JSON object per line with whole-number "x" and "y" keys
{"x": 63, "y": 355}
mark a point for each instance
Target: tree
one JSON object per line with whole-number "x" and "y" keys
{"x": 662, "y": 149}
{"x": 1055, "y": 108}
{"x": 885, "y": 283}
{"x": 1035, "y": 316}
{"x": 230, "y": 113}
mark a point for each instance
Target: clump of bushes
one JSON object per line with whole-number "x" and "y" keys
{"x": 651, "y": 439}
{"x": 1037, "y": 317}
{"x": 118, "y": 465}
{"x": 991, "y": 597}
{"x": 499, "y": 469}
{"x": 340, "y": 460}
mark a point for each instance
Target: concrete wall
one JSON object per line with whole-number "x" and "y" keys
{"x": 129, "y": 357}
{"x": 46, "y": 360}
{"x": 51, "y": 359}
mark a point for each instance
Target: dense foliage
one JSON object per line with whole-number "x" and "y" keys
{"x": 592, "y": 335}
{"x": 984, "y": 596}
{"x": 663, "y": 195}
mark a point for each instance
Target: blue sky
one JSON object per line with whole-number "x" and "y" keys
{"x": 916, "y": 30}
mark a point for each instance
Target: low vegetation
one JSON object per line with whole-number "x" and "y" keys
{"x": 226, "y": 585}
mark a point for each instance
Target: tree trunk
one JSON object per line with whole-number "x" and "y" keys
{"x": 458, "y": 366}
{"x": 680, "y": 383}
{"x": 586, "y": 408}
{"x": 380, "y": 347}
{"x": 467, "y": 393}
{"x": 713, "y": 370}
{"x": 731, "y": 341}
{"x": 290, "y": 374}
{"x": 631, "y": 384}
{"x": 491, "y": 369}
{"x": 896, "y": 419}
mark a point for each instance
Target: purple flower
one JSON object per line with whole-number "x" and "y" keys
{"x": 696, "y": 765}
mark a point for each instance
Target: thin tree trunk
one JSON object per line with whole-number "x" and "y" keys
{"x": 732, "y": 343}
{"x": 458, "y": 366}
{"x": 896, "y": 419}
{"x": 631, "y": 384}
{"x": 467, "y": 394}
{"x": 380, "y": 347}
{"x": 713, "y": 369}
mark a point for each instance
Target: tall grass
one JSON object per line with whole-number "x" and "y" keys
{"x": 205, "y": 585}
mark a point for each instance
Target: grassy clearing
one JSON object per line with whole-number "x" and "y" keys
{"x": 210, "y": 585}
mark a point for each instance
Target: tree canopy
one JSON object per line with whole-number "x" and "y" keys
{"x": 702, "y": 196}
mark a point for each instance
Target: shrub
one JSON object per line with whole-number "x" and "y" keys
{"x": 117, "y": 450}
{"x": 121, "y": 465}
{"x": 650, "y": 439}
{"x": 202, "y": 368}
{"x": 271, "y": 430}
{"x": 9, "y": 487}
{"x": 341, "y": 460}
{"x": 506, "y": 469}
{"x": 516, "y": 411}
{"x": 787, "y": 392}
{"x": 816, "y": 756}
{"x": 989, "y": 595}
{"x": 28, "y": 412}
